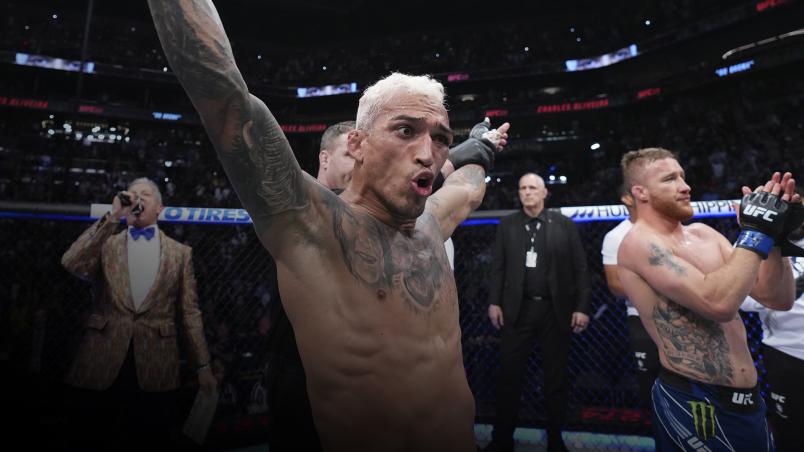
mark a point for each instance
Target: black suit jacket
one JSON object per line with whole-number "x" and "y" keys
{"x": 567, "y": 272}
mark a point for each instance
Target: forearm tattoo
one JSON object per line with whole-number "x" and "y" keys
{"x": 252, "y": 148}
{"x": 470, "y": 178}
{"x": 662, "y": 256}
{"x": 471, "y": 175}
{"x": 197, "y": 48}
{"x": 261, "y": 166}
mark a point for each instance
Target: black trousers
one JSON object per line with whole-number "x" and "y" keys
{"x": 785, "y": 374}
{"x": 536, "y": 320}
{"x": 646, "y": 357}
{"x": 123, "y": 417}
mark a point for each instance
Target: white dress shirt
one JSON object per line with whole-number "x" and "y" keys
{"x": 143, "y": 265}
{"x": 611, "y": 244}
{"x": 783, "y": 330}
{"x": 450, "y": 247}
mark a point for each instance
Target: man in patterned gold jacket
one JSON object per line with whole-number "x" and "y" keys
{"x": 126, "y": 370}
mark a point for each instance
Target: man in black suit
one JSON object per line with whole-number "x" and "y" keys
{"x": 539, "y": 290}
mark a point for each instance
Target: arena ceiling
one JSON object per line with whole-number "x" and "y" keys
{"x": 305, "y": 22}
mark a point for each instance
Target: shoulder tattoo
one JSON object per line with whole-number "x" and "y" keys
{"x": 662, "y": 256}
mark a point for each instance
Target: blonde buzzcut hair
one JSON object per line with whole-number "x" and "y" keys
{"x": 377, "y": 96}
{"x": 634, "y": 161}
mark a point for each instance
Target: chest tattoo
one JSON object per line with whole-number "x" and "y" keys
{"x": 381, "y": 258}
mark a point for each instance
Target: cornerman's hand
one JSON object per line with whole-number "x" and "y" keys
{"x": 794, "y": 220}
{"x": 496, "y": 316}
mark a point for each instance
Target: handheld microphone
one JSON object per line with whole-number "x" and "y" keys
{"x": 124, "y": 198}
{"x": 126, "y": 201}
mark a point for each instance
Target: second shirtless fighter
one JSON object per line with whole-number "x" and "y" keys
{"x": 687, "y": 282}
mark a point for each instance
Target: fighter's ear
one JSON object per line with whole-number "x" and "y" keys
{"x": 639, "y": 192}
{"x": 627, "y": 199}
{"x": 354, "y": 144}
{"x": 323, "y": 157}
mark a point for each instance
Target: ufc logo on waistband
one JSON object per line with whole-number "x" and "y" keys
{"x": 741, "y": 398}
{"x": 755, "y": 211}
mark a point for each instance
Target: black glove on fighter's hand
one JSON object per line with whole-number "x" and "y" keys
{"x": 478, "y": 148}
{"x": 793, "y": 221}
{"x": 762, "y": 216}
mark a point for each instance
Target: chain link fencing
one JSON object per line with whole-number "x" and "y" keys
{"x": 43, "y": 308}
{"x": 602, "y": 369}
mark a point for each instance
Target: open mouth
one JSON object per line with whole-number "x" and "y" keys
{"x": 423, "y": 183}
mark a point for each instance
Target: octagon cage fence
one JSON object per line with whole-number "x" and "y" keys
{"x": 44, "y": 308}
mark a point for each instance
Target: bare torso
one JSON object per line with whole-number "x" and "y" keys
{"x": 374, "y": 307}
{"x": 375, "y": 311}
{"x": 690, "y": 344}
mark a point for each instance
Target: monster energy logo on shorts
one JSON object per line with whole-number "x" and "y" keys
{"x": 703, "y": 416}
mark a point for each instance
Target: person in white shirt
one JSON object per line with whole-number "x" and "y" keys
{"x": 782, "y": 352}
{"x": 646, "y": 356}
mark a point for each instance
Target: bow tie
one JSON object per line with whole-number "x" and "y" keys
{"x": 148, "y": 233}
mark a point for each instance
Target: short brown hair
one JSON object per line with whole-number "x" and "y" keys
{"x": 623, "y": 190}
{"x": 634, "y": 160}
{"x": 334, "y": 131}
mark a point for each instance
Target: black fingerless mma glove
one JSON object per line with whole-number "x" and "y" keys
{"x": 793, "y": 221}
{"x": 762, "y": 216}
{"x": 475, "y": 149}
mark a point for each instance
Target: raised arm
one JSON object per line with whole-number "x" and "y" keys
{"x": 83, "y": 258}
{"x": 461, "y": 194}
{"x": 249, "y": 142}
{"x": 775, "y": 285}
{"x": 465, "y": 171}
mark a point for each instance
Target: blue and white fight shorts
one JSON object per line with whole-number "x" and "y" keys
{"x": 692, "y": 416}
